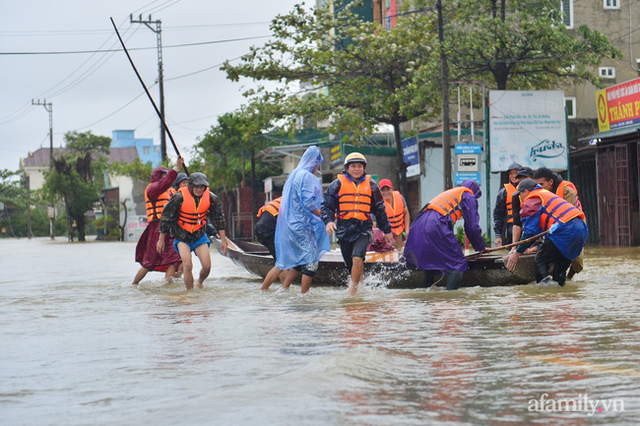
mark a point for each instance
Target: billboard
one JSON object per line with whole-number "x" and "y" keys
{"x": 619, "y": 105}
{"x": 529, "y": 128}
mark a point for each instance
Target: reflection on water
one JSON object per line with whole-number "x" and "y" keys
{"x": 79, "y": 346}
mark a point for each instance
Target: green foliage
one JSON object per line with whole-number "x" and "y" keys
{"x": 11, "y": 189}
{"x": 135, "y": 170}
{"x": 224, "y": 153}
{"x": 77, "y": 175}
{"x": 521, "y": 45}
{"x": 460, "y": 237}
{"x": 354, "y": 73}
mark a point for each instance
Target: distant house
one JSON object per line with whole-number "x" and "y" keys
{"x": 37, "y": 162}
{"x": 118, "y": 189}
{"x": 147, "y": 151}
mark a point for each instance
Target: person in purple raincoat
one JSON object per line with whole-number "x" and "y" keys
{"x": 432, "y": 245}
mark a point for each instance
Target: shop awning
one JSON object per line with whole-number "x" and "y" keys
{"x": 623, "y": 131}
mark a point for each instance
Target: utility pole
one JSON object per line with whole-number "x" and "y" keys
{"x": 444, "y": 77}
{"x": 52, "y": 209}
{"x": 158, "y": 30}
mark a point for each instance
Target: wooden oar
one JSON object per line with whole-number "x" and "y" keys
{"x": 508, "y": 246}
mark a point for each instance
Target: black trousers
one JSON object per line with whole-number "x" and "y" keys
{"x": 548, "y": 255}
{"x": 454, "y": 279}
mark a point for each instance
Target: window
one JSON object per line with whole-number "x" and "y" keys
{"x": 570, "y": 105}
{"x": 607, "y": 72}
{"x": 566, "y": 7}
{"x": 612, "y": 4}
{"x": 146, "y": 150}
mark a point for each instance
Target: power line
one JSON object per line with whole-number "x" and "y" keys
{"x": 72, "y": 52}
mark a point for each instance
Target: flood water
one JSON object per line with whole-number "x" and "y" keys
{"x": 80, "y": 346}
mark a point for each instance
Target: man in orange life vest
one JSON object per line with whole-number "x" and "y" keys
{"x": 552, "y": 181}
{"x": 185, "y": 216}
{"x": 432, "y": 245}
{"x": 266, "y": 233}
{"x": 352, "y": 198}
{"x": 397, "y": 210}
{"x": 503, "y": 210}
{"x": 542, "y": 210}
{"x": 156, "y": 195}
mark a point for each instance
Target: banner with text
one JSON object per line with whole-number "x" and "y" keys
{"x": 411, "y": 156}
{"x": 529, "y": 128}
{"x": 619, "y": 105}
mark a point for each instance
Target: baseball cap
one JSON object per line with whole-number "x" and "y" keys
{"x": 525, "y": 172}
{"x": 514, "y": 166}
{"x": 385, "y": 182}
{"x": 525, "y": 185}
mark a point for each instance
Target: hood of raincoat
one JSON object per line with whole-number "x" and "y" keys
{"x": 180, "y": 178}
{"x": 311, "y": 159}
{"x": 473, "y": 185}
{"x": 156, "y": 175}
{"x": 557, "y": 178}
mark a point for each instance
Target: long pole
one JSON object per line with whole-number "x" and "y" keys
{"x": 508, "y": 246}
{"x": 444, "y": 77}
{"x": 164, "y": 124}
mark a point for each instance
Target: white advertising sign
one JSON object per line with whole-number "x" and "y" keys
{"x": 529, "y": 128}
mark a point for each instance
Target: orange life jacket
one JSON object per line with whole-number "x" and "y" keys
{"x": 354, "y": 200}
{"x": 155, "y": 207}
{"x": 448, "y": 203}
{"x": 192, "y": 216}
{"x": 560, "y": 192}
{"x": 554, "y": 208}
{"x": 395, "y": 213}
{"x": 272, "y": 207}
{"x": 510, "y": 190}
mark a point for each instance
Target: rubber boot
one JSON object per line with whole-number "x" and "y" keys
{"x": 454, "y": 279}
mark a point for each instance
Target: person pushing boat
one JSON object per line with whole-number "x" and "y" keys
{"x": 301, "y": 239}
{"x": 185, "y": 217}
{"x": 541, "y": 211}
{"x": 157, "y": 195}
{"x": 432, "y": 245}
{"x": 352, "y": 199}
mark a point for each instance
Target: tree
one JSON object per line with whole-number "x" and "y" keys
{"x": 521, "y": 45}
{"x": 224, "y": 150}
{"x": 359, "y": 75}
{"x": 77, "y": 176}
{"x": 135, "y": 170}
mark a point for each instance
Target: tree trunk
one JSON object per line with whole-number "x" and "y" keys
{"x": 402, "y": 166}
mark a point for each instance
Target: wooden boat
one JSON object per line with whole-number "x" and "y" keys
{"x": 389, "y": 271}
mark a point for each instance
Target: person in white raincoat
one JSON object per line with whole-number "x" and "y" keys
{"x": 301, "y": 239}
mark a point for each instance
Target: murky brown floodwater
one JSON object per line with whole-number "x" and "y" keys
{"x": 80, "y": 346}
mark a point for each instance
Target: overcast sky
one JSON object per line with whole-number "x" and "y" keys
{"x": 97, "y": 91}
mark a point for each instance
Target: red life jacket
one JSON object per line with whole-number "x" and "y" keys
{"x": 554, "y": 208}
{"x": 192, "y": 216}
{"x": 448, "y": 203}
{"x": 272, "y": 207}
{"x": 560, "y": 192}
{"x": 510, "y": 190}
{"x": 155, "y": 207}
{"x": 355, "y": 200}
{"x": 395, "y": 213}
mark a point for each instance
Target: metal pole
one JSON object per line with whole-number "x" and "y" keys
{"x": 158, "y": 31}
{"x": 444, "y": 77}
{"x": 52, "y": 209}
